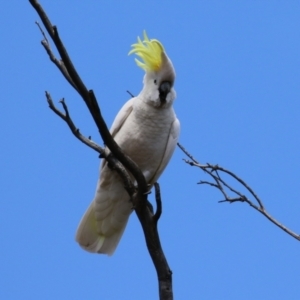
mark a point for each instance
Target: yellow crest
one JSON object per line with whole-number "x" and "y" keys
{"x": 149, "y": 51}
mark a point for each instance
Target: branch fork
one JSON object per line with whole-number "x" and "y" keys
{"x": 215, "y": 171}
{"x": 120, "y": 162}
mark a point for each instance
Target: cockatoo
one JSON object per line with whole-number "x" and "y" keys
{"x": 147, "y": 129}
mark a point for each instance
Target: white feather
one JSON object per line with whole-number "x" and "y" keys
{"x": 147, "y": 130}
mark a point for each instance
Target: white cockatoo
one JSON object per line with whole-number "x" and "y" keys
{"x": 147, "y": 130}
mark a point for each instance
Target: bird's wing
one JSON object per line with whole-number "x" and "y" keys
{"x": 119, "y": 120}
{"x": 170, "y": 147}
{"x": 121, "y": 117}
{"x": 87, "y": 233}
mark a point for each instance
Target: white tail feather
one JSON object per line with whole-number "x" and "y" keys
{"x": 90, "y": 240}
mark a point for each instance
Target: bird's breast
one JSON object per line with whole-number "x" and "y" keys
{"x": 144, "y": 136}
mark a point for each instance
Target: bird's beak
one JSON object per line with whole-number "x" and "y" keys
{"x": 164, "y": 89}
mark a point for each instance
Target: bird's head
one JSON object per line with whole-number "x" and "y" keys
{"x": 160, "y": 74}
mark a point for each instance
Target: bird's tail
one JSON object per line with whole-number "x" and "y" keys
{"x": 90, "y": 240}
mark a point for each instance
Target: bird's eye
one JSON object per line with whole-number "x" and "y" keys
{"x": 155, "y": 81}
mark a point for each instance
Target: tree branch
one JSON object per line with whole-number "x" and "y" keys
{"x": 66, "y": 117}
{"x": 149, "y": 224}
{"x": 59, "y": 63}
{"x": 90, "y": 100}
{"x": 117, "y": 159}
{"x": 114, "y": 164}
{"x": 158, "y": 202}
{"x": 214, "y": 172}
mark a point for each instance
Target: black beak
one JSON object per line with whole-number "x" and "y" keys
{"x": 164, "y": 90}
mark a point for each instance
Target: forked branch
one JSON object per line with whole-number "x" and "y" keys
{"x": 114, "y": 163}
{"x": 116, "y": 158}
{"x": 216, "y": 172}
{"x": 87, "y": 96}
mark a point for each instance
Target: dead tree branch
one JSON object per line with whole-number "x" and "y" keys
{"x": 215, "y": 172}
{"x": 117, "y": 159}
{"x": 58, "y": 62}
{"x": 114, "y": 163}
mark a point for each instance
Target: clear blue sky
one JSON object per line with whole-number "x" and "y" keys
{"x": 238, "y": 75}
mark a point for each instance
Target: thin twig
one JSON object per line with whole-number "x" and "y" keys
{"x": 59, "y": 63}
{"x": 66, "y": 117}
{"x": 187, "y": 153}
{"x": 215, "y": 172}
{"x": 132, "y": 96}
{"x": 128, "y": 185}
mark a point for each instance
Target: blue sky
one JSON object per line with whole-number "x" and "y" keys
{"x": 238, "y": 75}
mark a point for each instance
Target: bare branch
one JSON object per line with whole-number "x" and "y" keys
{"x": 130, "y": 94}
{"x": 90, "y": 100}
{"x": 59, "y": 63}
{"x": 118, "y": 160}
{"x": 52, "y": 31}
{"x": 115, "y": 164}
{"x": 187, "y": 153}
{"x": 149, "y": 221}
{"x": 215, "y": 171}
{"x": 158, "y": 202}
{"x": 66, "y": 117}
